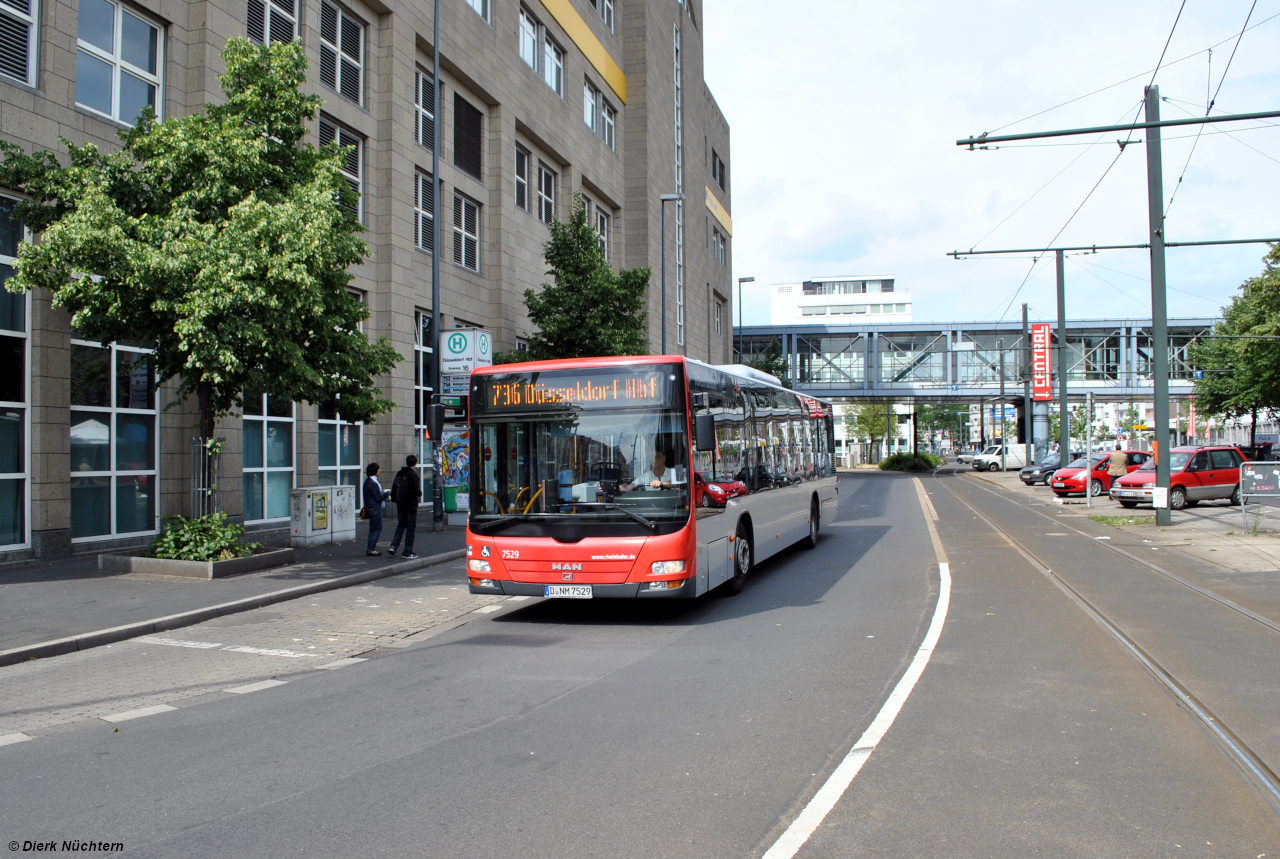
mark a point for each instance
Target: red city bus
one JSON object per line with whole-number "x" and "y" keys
{"x": 582, "y": 476}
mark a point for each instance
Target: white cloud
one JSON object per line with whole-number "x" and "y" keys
{"x": 844, "y": 117}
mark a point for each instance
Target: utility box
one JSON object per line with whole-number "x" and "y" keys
{"x": 343, "y": 513}
{"x": 311, "y": 516}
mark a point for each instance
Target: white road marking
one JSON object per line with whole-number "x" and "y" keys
{"x": 137, "y": 714}
{"x": 177, "y": 642}
{"x": 807, "y": 822}
{"x": 516, "y": 599}
{"x": 342, "y": 663}
{"x": 265, "y": 651}
{"x": 10, "y": 739}
{"x": 486, "y": 609}
{"x": 255, "y": 687}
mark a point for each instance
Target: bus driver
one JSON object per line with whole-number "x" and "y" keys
{"x": 657, "y": 477}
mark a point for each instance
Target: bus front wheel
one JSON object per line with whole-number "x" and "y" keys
{"x": 741, "y": 561}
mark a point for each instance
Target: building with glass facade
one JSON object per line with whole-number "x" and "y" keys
{"x": 539, "y": 101}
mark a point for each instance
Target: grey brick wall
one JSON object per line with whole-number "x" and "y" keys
{"x": 480, "y": 60}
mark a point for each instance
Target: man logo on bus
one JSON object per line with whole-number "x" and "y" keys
{"x": 558, "y": 567}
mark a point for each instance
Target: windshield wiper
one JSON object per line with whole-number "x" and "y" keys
{"x": 490, "y": 527}
{"x": 605, "y": 505}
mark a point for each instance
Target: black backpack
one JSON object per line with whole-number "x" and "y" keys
{"x": 400, "y": 487}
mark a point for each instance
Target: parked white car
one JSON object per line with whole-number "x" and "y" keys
{"x": 967, "y": 458}
{"x": 1014, "y": 458}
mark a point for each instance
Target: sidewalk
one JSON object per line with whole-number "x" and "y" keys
{"x": 1212, "y": 532}
{"x": 44, "y": 601}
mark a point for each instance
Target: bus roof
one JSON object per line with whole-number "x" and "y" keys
{"x": 815, "y": 406}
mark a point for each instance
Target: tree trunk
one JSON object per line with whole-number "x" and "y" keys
{"x": 204, "y": 396}
{"x": 1253, "y": 427}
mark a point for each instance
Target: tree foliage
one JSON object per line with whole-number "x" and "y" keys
{"x": 588, "y": 310}
{"x": 1241, "y": 371}
{"x": 869, "y": 420}
{"x": 220, "y": 239}
{"x": 773, "y": 362}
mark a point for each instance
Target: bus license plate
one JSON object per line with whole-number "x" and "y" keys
{"x": 577, "y": 592}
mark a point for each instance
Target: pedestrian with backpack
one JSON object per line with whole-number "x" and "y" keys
{"x": 406, "y": 490}
{"x": 374, "y": 497}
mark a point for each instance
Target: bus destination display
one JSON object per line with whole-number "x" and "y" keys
{"x": 560, "y": 389}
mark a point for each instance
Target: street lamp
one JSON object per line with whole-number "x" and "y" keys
{"x": 741, "y": 281}
{"x": 664, "y": 199}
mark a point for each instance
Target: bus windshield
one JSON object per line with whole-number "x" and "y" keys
{"x": 576, "y": 467}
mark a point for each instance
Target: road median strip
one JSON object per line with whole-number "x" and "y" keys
{"x": 87, "y": 640}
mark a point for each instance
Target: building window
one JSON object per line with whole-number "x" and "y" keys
{"x": 719, "y": 316}
{"x": 339, "y": 448}
{"x": 546, "y": 194}
{"x": 466, "y": 233}
{"x": 522, "y": 345}
{"x": 14, "y": 384}
{"x": 552, "y": 65}
{"x": 718, "y": 245}
{"x": 424, "y": 109}
{"x": 522, "y": 179}
{"x": 467, "y": 137}
{"x": 540, "y": 53}
{"x": 118, "y": 62}
{"x": 424, "y": 199}
{"x": 602, "y": 230}
{"x": 353, "y": 155}
{"x": 598, "y": 115}
{"x": 268, "y": 437}
{"x": 481, "y": 7}
{"x": 18, "y": 39}
{"x": 679, "y": 169}
{"x": 423, "y": 374}
{"x": 528, "y": 39}
{"x": 114, "y": 443}
{"x": 605, "y": 9}
{"x": 717, "y": 169}
{"x": 273, "y": 21}
{"x": 341, "y": 52}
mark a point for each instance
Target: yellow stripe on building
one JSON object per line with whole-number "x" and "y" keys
{"x": 596, "y": 53}
{"x": 720, "y": 214}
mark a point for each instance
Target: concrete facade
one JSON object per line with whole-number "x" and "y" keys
{"x": 631, "y": 66}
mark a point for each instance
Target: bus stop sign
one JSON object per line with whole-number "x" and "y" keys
{"x": 464, "y": 349}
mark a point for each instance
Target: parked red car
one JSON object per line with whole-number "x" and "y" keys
{"x": 709, "y": 493}
{"x": 1195, "y": 474}
{"x": 1071, "y": 480}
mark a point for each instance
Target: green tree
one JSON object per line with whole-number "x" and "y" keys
{"x": 220, "y": 239}
{"x": 588, "y": 310}
{"x": 1241, "y": 366}
{"x": 773, "y": 362}
{"x": 868, "y": 421}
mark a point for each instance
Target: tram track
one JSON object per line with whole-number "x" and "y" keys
{"x": 1205, "y": 592}
{"x": 1255, "y": 768}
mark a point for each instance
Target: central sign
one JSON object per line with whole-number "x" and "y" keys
{"x": 1041, "y": 372}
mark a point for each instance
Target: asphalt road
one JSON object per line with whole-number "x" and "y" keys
{"x": 566, "y": 729}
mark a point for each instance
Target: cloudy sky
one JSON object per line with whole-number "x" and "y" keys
{"x": 844, "y": 116}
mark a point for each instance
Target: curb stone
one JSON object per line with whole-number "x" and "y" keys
{"x": 87, "y": 640}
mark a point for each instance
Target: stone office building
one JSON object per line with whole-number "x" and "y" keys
{"x": 540, "y": 100}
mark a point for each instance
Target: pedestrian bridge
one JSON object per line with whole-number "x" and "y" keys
{"x": 960, "y": 361}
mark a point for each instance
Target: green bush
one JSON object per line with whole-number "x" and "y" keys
{"x": 209, "y": 538}
{"x": 910, "y": 462}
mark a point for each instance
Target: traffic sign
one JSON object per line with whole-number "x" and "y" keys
{"x": 455, "y": 385}
{"x": 464, "y": 349}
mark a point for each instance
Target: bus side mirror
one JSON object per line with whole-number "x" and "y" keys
{"x": 704, "y": 427}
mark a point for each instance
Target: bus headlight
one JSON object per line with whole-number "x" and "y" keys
{"x": 476, "y": 565}
{"x": 666, "y": 568}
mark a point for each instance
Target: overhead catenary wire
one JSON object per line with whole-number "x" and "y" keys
{"x": 1231, "y": 134}
{"x": 1130, "y": 79}
{"x": 1209, "y": 107}
{"x": 1159, "y": 62}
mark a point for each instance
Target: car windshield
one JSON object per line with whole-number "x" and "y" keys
{"x": 1082, "y": 462}
{"x": 1177, "y": 461}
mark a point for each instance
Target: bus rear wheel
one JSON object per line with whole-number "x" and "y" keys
{"x": 811, "y": 542}
{"x": 741, "y": 561}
